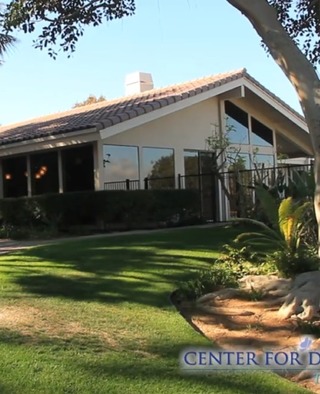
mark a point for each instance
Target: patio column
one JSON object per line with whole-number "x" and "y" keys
{"x": 29, "y": 180}
{"x": 140, "y": 160}
{"x": 98, "y": 165}
{"x": 1, "y": 182}
{"x": 60, "y": 172}
{"x": 178, "y": 164}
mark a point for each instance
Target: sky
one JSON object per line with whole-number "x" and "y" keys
{"x": 175, "y": 41}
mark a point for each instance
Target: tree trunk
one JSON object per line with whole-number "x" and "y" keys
{"x": 296, "y": 67}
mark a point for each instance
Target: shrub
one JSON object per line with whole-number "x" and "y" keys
{"x": 206, "y": 281}
{"x": 226, "y": 271}
{"x": 288, "y": 233}
{"x": 290, "y": 264}
{"x": 130, "y": 209}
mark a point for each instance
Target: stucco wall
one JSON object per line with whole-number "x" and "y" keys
{"x": 186, "y": 129}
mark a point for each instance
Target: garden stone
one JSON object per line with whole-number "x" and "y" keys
{"x": 303, "y": 299}
{"x": 268, "y": 285}
{"x": 222, "y": 294}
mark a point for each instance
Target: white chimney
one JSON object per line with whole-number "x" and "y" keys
{"x": 138, "y": 82}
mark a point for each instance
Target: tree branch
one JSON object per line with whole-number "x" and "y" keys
{"x": 288, "y": 56}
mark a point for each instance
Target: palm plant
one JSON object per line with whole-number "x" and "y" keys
{"x": 284, "y": 233}
{"x": 6, "y": 40}
{"x": 287, "y": 223}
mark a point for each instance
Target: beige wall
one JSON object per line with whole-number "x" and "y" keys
{"x": 185, "y": 129}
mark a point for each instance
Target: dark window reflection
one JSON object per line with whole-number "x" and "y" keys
{"x": 261, "y": 134}
{"x": 237, "y": 124}
{"x": 78, "y": 172}
{"x": 15, "y": 181}
{"x": 44, "y": 173}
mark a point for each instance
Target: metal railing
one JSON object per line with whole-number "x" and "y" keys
{"x": 127, "y": 184}
{"x": 240, "y": 185}
{"x": 237, "y": 185}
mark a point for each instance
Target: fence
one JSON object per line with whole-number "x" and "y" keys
{"x": 127, "y": 184}
{"x": 282, "y": 181}
{"x": 238, "y": 186}
{"x": 148, "y": 184}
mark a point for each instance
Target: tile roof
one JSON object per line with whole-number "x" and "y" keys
{"x": 109, "y": 113}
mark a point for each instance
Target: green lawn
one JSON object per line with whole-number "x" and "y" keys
{"x": 94, "y": 316}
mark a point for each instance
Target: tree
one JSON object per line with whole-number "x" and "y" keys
{"x": 91, "y": 99}
{"x": 63, "y": 21}
{"x": 6, "y": 41}
{"x": 284, "y": 26}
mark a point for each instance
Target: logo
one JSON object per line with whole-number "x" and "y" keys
{"x": 305, "y": 344}
{"x": 195, "y": 360}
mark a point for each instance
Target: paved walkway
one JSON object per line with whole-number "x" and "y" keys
{"x": 9, "y": 245}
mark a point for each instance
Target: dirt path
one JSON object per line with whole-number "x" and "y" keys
{"x": 260, "y": 330}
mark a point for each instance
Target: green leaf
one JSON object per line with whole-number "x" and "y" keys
{"x": 268, "y": 204}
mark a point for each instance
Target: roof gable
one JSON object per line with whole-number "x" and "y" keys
{"x": 110, "y": 113}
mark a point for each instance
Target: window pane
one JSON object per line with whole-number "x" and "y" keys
{"x": 44, "y": 173}
{"x": 121, "y": 163}
{"x": 159, "y": 163}
{"x": 265, "y": 161}
{"x": 15, "y": 177}
{"x": 191, "y": 169}
{"x": 261, "y": 134}
{"x": 237, "y": 124}
{"x": 206, "y": 162}
{"x": 238, "y": 161}
{"x": 191, "y": 162}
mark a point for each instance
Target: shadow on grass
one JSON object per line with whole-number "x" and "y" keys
{"x": 157, "y": 369}
{"x": 135, "y": 268}
{"x": 227, "y": 382}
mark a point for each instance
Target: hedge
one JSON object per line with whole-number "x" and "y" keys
{"x": 131, "y": 209}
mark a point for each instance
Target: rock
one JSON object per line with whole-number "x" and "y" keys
{"x": 303, "y": 299}
{"x": 313, "y": 276}
{"x": 270, "y": 285}
{"x": 218, "y": 295}
{"x": 224, "y": 311}
{"x": 300, "y": 297}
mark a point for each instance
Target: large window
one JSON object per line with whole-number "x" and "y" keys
{"x": 245, "y": 129}
{"x": 78, "y": 169}
{"x": 237, "y": 124}
{"x": 44, "y": 173}
{"x": 261, "y": 134}
{"x": 158, "y": 167}
{"x": 15, "y": 177}
{"x": 120, "y": 162}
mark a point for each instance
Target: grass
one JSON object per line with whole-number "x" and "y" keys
{"x": 94, "y": 316}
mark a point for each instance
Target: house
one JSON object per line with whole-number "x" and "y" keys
{"x": 150, "y": 133}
